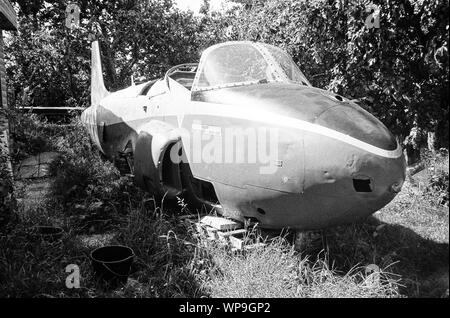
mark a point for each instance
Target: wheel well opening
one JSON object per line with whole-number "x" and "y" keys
{"x": 204, "y": 190}
{"x": 170, "y": 172}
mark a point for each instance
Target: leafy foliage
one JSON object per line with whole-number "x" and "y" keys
{"x": 398, "y": 71}
{"x": 30, "y": 135}
{"x": 49, "y": 64}
{"x": 6, "y": 186}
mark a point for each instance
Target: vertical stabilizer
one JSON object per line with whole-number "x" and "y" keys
{"x": 98, "y": 90}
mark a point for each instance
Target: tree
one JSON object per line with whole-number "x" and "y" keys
{"x": 399, "y": 71}
{"x": 145, "y": 36}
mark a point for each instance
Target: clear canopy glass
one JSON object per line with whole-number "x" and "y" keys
{"x": 287, "y": 64}
{"x": 240, "y": 63}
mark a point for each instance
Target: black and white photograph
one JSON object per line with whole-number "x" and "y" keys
{"x": 229, "y": 155}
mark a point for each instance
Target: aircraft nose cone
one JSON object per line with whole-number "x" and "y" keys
{"x": 354, "y": 121}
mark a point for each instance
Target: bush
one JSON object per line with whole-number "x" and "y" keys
{"x": 88, "y": 194}
{"x": 81, "y": 175}
{"x": 438, "y": 177}
{"x": 31, "y": 134}
{"x": 6, "y": 187}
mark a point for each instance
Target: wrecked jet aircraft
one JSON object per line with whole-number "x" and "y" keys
{"x": 334, "y": 163}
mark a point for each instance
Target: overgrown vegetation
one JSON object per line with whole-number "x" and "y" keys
{"x": 6, "y": 184}
{"x": 31, "y": 134}
{"x": 94, "y": 205}
{"x": 398, "y": 71}
{"x": 278, "y": 271}
{"x": 437, "y": 176}
{"x": 407, "y": 240}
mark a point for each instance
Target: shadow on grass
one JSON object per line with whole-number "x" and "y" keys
{"x": 163, "y": 259}
{"x": 423, "y": 264}
{"x": 162, "y": 266}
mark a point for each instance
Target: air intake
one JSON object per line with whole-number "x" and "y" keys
{"x": 362, "y": 185}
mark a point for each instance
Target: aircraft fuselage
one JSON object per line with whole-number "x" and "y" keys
{"x": 297, "y": 156}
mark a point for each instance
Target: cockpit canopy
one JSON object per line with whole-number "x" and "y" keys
{"x": 240, "y": 63}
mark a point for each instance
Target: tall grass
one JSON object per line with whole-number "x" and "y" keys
{"x": 437, "y": 186}
{"x": 93, "y": 202}
{"x": 408, "y": 240}
{"x": 277, "y": 270}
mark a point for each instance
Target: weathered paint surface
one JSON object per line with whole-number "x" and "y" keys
{"x": 325, "y": 143}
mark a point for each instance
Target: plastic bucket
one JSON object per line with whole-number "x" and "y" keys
{"x": 48, "y": 233}
{"x": 112, "y": 263}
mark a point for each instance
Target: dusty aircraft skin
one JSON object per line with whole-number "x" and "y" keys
{"x": 336, "y": 162}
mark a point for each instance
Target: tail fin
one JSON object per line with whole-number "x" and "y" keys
{"x": 98, "y": 89}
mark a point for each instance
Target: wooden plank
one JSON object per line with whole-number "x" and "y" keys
{"x": 212, "y": 233}
{"x": 236, "y": 242}
{"x": 254, "y": 246}
{"x": 236, "y": 237}
{"x": 225, "y": 235}
{"x": 220, "y": 223}
{"x": 247, "y": 248}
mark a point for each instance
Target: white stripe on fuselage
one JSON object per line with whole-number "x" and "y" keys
{"x": 284, "y": 121}
{"x": 249, "y": 112}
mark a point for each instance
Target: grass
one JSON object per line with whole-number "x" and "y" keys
{"x": 32, "y": 267}
{"x": 407, "y": 240}
{"x": 416, "y": 232}
{"x": 279, "y": 271}
{"x": 7, "y": 202}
